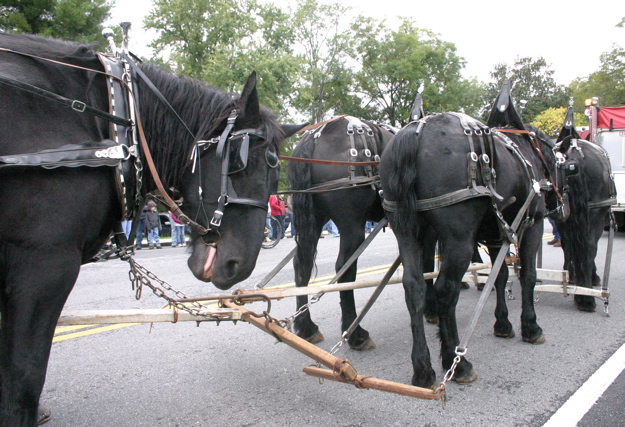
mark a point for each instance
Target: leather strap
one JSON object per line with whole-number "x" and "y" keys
{"x": 74, "y": 104}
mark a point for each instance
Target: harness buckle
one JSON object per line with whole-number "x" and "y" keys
{"x": 79, "y": 106}
{"x": 216, "y": 221}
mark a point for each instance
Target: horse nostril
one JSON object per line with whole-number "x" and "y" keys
{"x": 231, "y": 268}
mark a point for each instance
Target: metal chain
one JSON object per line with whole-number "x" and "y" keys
{"x": 140, "y": 276}
{"x": 288, "y": 321}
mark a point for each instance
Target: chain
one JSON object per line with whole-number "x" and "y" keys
{"x": 140, "y": 276}
{"x": 449, "y": 375}
{"x": 288, "y": 322}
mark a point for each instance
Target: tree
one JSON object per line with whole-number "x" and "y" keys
{"x": 394, "y": 64}
{"x": 77, "y": 20}
{"x": 223, "y": 41}
{"x": 550, "y": 121}
{"x": 533, "y": 82}
{"x": 321, "y": 46}
{"x": 608, "y": 84}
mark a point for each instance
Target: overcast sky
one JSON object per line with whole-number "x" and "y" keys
{"x": 570, "y": 35}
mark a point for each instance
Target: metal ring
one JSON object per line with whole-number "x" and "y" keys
{"x": 473, "y": 156}
{"x": 353, "y": 152}
{"x": 485, "y": 158}
{"x": 368, "y": 153}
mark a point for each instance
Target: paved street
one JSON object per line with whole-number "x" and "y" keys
{"x": 180, "y": 374}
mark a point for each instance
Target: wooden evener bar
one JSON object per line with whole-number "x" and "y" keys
{"x": 341, "y": 370}
{"x": 97, "y": 317}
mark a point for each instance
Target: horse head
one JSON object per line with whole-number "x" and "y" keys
{"x": 228, "y": 188}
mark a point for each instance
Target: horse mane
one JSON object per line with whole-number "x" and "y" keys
{"x": 203, "y": 109}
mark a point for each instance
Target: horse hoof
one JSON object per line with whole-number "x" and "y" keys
{"x": 315, "y": 338}
{"x": 464, "y": 285}
{"x": 586, "y": 307}
{"x": 540, "y": 339}
{"x": 504, "y": 334}
{"x": 431, "y": 318}
{"x": 367, "y": 344}
{"x": 467, "y": 378}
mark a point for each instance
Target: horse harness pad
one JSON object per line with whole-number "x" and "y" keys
{"x": 481, "y": 174}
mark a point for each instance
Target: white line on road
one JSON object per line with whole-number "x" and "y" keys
{"x": 585, "y": 397}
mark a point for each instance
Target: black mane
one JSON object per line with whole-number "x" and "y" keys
{"x": 203, "y": 109}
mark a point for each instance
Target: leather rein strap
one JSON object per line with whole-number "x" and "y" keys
{"x": 328, "y": 162}
{"x": 536, "y": 146}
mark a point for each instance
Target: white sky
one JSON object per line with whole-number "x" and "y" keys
{"x": 570, "y": 35}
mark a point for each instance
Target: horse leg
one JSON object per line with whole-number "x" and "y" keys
{"x": 30, "y": 306}
{"x": 455, "y": 257}
{"x": 303, "y": 264}
{"x": 596, "y": 223}
{"x": 414, "y": 289}
{"x": 352, "y": 236}
{"x": 429, "y": 252}
{"x": 503, "y": 327}
{"x": 532, "y": 238}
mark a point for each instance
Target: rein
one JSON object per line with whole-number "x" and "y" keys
{"x": 534, "y": 139}
{"x": 328, "y": 162}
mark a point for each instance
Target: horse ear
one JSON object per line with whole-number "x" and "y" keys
{"x": 248, "y": 102}
{"x": 290, "y": 130}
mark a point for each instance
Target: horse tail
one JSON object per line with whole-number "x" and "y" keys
{"x": 300, "y": 178}
{"x": 575, "y": 231}
{"x": 401, "y": 177}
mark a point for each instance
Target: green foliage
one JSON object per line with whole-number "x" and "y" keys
{"x": 608, "y": 84}
{"x": 395, "y": 63}
{"x": 223, "y": 41}
{"x": 533, "y": 82}
{"x": 551, "y": 120}
{"x": 325, "y": 79}
{"x": 76, "y": 20}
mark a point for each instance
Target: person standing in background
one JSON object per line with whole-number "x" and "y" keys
{"x": 153, "y": 226}
{"x": 177, "y": 231}
{"x": 289, "y": 214}
{"x": 141, "y": 231}
{"x": 278, "y": 210}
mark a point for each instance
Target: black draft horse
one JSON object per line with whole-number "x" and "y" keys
{"x": 453, "y": 174}
{"x": 345, "y": 138}
{"x": 592, "y": 192}
{"x": 58, "y": 218}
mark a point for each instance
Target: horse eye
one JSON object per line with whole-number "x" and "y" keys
{"x": 271, "y": 156}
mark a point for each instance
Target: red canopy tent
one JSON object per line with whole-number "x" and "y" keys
{"x": 611, "y": 118}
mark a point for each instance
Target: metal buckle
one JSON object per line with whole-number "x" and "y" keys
{"x": 353, "y": 152}
{"x": 79, "y": 106}
{"x": 216, "y": 221}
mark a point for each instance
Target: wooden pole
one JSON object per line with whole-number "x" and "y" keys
{"x": 340, "y": 366}
{"x": 340, "y": 369}
{"x": 98, "y": 317}
{"x": 376, "y": 384}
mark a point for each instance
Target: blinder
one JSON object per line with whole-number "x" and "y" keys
{"x": 232, "y": 150}
{"x": 565, "y": 168}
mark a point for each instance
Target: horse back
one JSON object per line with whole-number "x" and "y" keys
{"x": 71, "y": 208}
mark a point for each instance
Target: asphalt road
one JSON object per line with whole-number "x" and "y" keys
{"x": 235, "y": 375}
